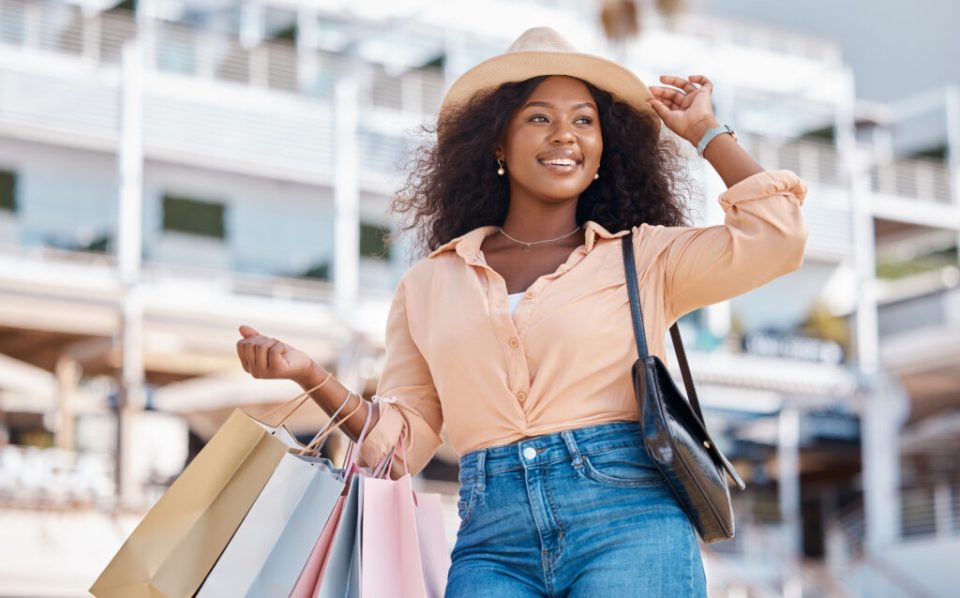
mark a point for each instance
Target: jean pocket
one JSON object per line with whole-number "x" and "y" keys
{"x": 467, "y": 501}
{"x": 622, "y": 467}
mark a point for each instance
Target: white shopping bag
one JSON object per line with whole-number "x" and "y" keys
{"x": 271, "y": 546}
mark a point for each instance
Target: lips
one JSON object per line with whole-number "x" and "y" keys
{"x": 562, "y": 161}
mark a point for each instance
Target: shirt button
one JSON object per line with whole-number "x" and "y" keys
{"x": 529, "y": 453}
{"x": 529, "y": 294}
{"x": 521, "y": 396}
{"x": 514, "y": 342}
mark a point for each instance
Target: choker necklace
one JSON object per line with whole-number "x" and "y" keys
{"x": 526, "y": 245}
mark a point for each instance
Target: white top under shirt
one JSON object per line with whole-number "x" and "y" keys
{"x": 514, "y": 300}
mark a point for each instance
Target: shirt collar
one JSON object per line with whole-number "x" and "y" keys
{"x": 468, "y": 245}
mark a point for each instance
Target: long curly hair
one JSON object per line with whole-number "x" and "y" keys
{"x": 452, "y": 186}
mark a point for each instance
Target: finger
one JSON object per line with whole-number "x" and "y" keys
{"x": 667, "y": 94}
{"x": 702, "y": 80}
{"x": 275, "y": 356}
{"x": 688, "y": 100}
{"x": 658, "y": 107}
{"x": 262, "y": 351}
{"x": 241, "y": 353}
{"x": 250, "y": 355}
{"x": 678, "y": 82}
{"x": 663, "y": 93}
{"x": 247, "y": 331}
{"x": 668, "y": 103}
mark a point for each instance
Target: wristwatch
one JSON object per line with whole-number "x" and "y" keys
{"x": 710, "y": 134}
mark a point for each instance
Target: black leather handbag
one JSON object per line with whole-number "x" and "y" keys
{"x": 674, "y": 432}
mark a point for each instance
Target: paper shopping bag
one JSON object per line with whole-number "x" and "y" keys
{"x": 310, "y": 576}
{"x": 390, "y": 560}
{"x": 178, "y": 541}
{"x": 432, "y": 539}
{"x": 339, "y": 574}
{"x": 269, "y": 549}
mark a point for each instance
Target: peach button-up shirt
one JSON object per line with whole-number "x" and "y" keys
{"x": 456, "y": 357}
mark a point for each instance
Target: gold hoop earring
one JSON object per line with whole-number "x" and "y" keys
{"x": 500, "y": 170}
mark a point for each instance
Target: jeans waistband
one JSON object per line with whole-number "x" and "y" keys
{"x": 566, "y": 445}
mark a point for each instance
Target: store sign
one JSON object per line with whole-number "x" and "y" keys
{"x": 792, "y": 346}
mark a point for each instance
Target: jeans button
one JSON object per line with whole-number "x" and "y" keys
{"x": 529, "y": 453}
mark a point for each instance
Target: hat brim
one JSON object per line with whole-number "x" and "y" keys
{"x": 520, "y": 66}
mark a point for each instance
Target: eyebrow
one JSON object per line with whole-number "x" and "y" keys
{"x": 549, "y": 105}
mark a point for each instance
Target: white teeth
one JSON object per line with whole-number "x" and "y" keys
{"x": 559, "y": 162}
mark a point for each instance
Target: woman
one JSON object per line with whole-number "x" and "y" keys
{"x": 515, "y": 332}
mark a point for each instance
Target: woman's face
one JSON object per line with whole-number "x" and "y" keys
{"x": 552, "y": 144}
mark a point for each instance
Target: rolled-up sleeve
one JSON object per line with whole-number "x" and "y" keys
{"x": 763, "y": 236}
{"x": 408, "y": 400}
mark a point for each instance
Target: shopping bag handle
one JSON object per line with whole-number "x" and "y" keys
{"x": 353, "y": 448}
{"x": 330, "y": 427}
{"x": 299, "y": 400}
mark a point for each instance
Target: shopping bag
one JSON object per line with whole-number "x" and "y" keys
{"x": 432, "y": 539}
{"x": 339, "y": 575}
{"x": 307, "y": 581}
{"x": 336, "y": 542}
{"x": 399, "y": 551}
{"x": 269, "y": 549}
{"x": 178, "y": 541}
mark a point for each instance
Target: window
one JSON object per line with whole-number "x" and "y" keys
{"x": 193, "y": 217}
{"x": 8, "y": 191}
{"x": 373, "y": 241}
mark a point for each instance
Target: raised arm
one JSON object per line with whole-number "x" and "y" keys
{"x": 762, "y": 237}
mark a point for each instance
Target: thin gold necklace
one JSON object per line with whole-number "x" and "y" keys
{"x": 526, "y": 245}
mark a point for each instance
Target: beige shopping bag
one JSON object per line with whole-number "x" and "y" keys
{"x": 180, "y": 539}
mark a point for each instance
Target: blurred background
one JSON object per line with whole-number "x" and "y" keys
{"x": 170, "y": 169}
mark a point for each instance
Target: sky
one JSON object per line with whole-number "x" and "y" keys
{"x": 896, "y": 49}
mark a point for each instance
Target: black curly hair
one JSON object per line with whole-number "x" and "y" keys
{"x": 452, "y": 186}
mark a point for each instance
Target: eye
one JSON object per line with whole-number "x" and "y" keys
{"x": 585, "y": 120}
{"x": 537, "y": 116}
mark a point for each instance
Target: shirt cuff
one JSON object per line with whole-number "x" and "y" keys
{"x": 765, "y": 184}
{"x": 382, "y": 438}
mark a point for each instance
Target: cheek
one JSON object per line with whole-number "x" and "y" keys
{"x": 595, "y": 151}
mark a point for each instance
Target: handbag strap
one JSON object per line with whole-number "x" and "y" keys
{"x": 640, "y": 334}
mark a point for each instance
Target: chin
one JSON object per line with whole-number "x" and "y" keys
{"x": 562, "y": 191}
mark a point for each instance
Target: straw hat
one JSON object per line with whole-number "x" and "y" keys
{"x": 543, "y": 51}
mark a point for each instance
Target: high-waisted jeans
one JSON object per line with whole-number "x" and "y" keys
{"x": 579, "y": 513}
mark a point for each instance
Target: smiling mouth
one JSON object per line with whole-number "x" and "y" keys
{"x": 560, "y": 165}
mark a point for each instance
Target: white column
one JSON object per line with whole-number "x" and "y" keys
{"x": 788, "y": 476}
{"x": 129, "y": 247}
{"x": 886, "y": 406}
{"x": 308, "y": 40}
{"x": 952, "y": 107}
{"x": 346, "y": 196}
{"x": 881, "y": 404}
{"x": 719, "y": 315}
{"x": 942, "y": 509}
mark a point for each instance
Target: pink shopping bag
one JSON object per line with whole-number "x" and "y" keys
{"x": 403, "y": 544}
{"x": 307, "y": 582}
{"x": 432, "y": 536}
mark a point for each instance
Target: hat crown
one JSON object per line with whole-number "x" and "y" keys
{"x": 540, "y": 39}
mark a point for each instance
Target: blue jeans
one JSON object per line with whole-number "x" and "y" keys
{"x": 577, "y": 513}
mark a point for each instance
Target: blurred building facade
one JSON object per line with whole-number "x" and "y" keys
{"x": 172, "y": 169}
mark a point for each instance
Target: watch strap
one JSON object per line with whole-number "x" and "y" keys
{"x": 710, "y": 134}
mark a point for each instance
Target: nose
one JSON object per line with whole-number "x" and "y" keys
{"x": 562, "y": 133}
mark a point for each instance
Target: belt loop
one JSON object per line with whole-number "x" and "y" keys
{"x": 481, "y": 470}
{"x": 571, "y": 443}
